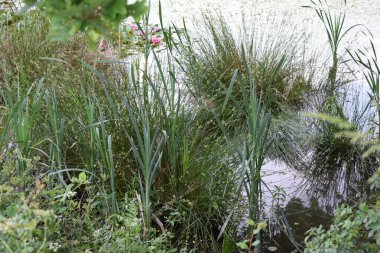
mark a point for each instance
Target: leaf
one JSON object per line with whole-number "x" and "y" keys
{"x": 116, "y": 10}
{"x": 61, "y": 30}
{"x": 262, "y": 225}
{"x": 250, "y": 222}
{"x": 136, "y": 10}
{"x": 242, "y": 245}
{"x": 256, "y": 231}
{"x": 82, "y": 177}
{"x": 229, "y": 90}
{"x": 255, "y": 243}
{"x": 12, "y": 210}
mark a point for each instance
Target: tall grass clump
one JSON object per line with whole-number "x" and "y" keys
{"x": 273, "y": 63}
{"x": 282, "y": 71}
{"x": 257, "y": 143}
{"x": 148, "y": 154}
{"x": 176, "y": 166}
{"x": 23, "y": 102}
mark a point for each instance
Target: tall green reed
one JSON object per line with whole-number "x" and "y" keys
{"x": 103, "y": 145}
{"x": 336, "y": 32}
{"x": 255, "y": 147}
{"x": 147, "y": 151}
{"x": 56, "y": 128}
{"x": 23, "y": 102}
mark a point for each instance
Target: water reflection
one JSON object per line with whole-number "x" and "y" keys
{"x": 301, "y": 217}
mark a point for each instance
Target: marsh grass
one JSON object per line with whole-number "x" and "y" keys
{"x": 23, "y": 105}
{"x": 369, "y": 61}
{"x": 336, "y": 32}
{"x": 273, "y": 64}
{"x": 282, "y": 72}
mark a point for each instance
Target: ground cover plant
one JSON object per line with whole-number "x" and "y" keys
{"x": 166, "y": 151}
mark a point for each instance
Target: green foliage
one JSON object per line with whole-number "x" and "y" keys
{"x": 98, "y": 17}
{"x": 252, "y": 242}
{"x": 39, "y": 216}
{"x": 354, "y": 229}
{"x": 85, "y": 124}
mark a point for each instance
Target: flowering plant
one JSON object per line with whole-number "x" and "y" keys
{"x": 137, "y": 34}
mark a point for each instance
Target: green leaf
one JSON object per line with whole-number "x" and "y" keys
{"x": 82, "y": 177}
{"x": 250, "y": 222}
{"x": 116, "y": 10}
{"x": 137, "y": 9}
{"x": 12, "y": 210}
{"x": 255, "y": 243}
{"x": 242, "y": 245}
{"x": 256, "y": 231}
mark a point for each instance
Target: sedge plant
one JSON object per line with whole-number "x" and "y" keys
{"x": 23, "y": 102}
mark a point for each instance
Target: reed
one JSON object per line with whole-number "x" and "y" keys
{"x": 334, "y": 25}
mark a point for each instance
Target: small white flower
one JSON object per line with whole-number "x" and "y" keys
{"x": 53, "y": 246}
{"x": 70, "y": 194}
{"x": 96, "y": 233}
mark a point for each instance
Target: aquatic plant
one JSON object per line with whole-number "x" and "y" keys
{"x": 334, "y": 26}
{"x": 369, "y": 61}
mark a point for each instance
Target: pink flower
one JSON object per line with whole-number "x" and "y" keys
{"x": 155, "y": 40}
{"x": 134, "y": 27}
{"x": 156, "y": 29}
{"x": 103, "y": 45}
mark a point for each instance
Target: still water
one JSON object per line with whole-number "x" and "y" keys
{"x": 364, "y": 12}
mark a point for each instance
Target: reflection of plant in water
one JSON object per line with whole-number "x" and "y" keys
{"x": 355, "y": 229}
{"x": 300, "y": 218}
{"x": 337, "y": 167}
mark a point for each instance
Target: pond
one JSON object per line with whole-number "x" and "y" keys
{"x": 364, "y": 12}
{"x": 283, "y": 17}
{"x": 292, "y": 16}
